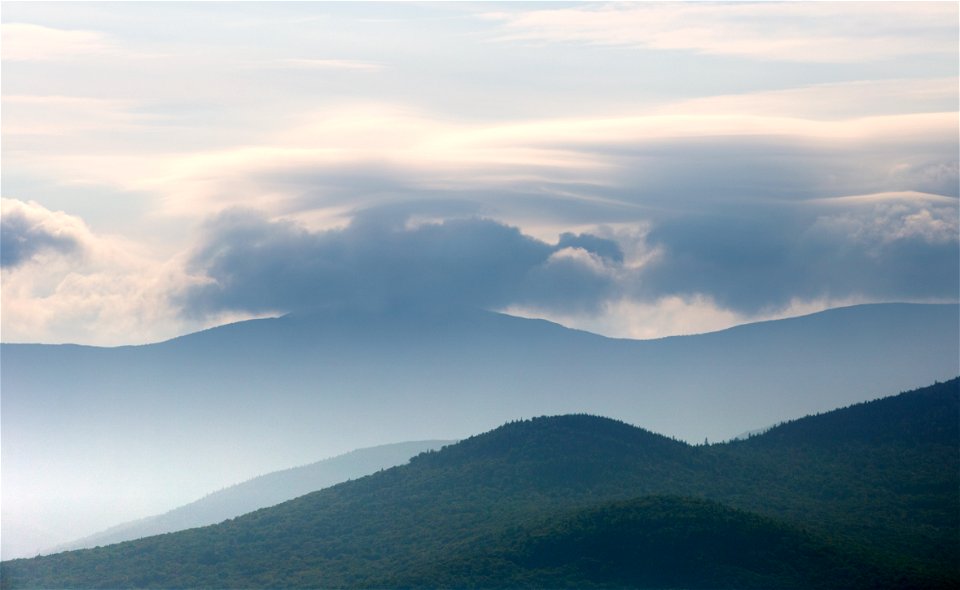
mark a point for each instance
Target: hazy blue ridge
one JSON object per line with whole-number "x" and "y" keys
{"x": 583, "y": 501}
{"x": 252, "y": 396}
{"x": 261, "y": 492}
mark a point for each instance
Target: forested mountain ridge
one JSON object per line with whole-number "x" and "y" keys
{"x": 919, "y": 416}
{"x": 653, "y": 542}
{"x": 231, "y": 402}
{"x": 261, "y": 492}
{"x": 508, "y": 501}
{"x": 886, "y": 473}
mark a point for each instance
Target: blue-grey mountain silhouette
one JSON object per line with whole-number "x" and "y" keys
{"x": 179, "y": 418}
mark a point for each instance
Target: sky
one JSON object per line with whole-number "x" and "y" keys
{"x": 633, "y": 169}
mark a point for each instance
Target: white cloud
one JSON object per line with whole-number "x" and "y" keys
{"x": 227, "y": 138}
{"x": 806, "y": 32}
{"x": 832, "y": 101}
{"x": 411, "y": 150}
{"x": 321, "y": 64}
{"x": 674, "y": 316}
{"x": 103, "y": 289}
{"x": 886, "y": 197}
{"x": 69, "y": 115}
{"x": 29, "y": 42}
{"x": 881, "y": 219}
{"x": 626, "y": 318}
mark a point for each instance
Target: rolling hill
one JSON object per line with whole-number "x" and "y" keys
{"x": 113, "y": 428}
{"x": 653, "y": 542}
{"x": 261, "y": 492}
{"x": 532, "y": 503}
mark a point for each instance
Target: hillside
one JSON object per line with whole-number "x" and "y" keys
{"x": 209, "y": 409}
{"x": 858, "y": 467}
{"x": 262, "y": 492}
{"x": 653, "y": 542}
{"x": 495, "y": 509}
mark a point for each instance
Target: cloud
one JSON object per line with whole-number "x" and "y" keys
{"x": 63, "y": 282}
{"x": 585, "y": 169}
{"x": 667, "y": 316}
{"x": 29, "y": 231}
{"x": 321, "y": 64}
{"x": 381, "y": 261}
{"x": 29, "y": 42}
{"x": 819, "y": 32}
{"x": 752, "y": 260}
{"x": 602, "y": 247}
{"x": 831, "y": 101}
{"x": 579, "y": 170}
{"x": 61, "y": 116}
{"x": 674, "y": 274}
{"x": 757, "y": 260}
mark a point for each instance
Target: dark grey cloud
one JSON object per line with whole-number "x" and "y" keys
{"x": 27, "y": 230}
{"x": 382, "y": 261}
{"x": 750, "y": 258}
{"x": 755, "y": 258}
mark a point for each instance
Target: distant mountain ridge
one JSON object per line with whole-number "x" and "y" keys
{"x": 261, "y": 492}
{"x": 584, "y": 501}
{"x": 230, "y": 402}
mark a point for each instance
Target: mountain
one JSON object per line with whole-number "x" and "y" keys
{"x": 653, "y": 542}
{"x": 123, "y": 432}
{"x": 261, "y": 492}
{"x": 584, "y": 501}
{"x": 885, "y": 473}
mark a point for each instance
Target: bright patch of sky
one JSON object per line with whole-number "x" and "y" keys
{"x": 747, "y": 160}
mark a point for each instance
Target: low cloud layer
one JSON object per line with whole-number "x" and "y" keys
{"x": 727, "y": 262}
{"x": 751, "y": 260}
{"x": 903, "y": 247}
{"x": 381, "y": 261}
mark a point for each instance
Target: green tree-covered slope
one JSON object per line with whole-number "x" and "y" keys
{"x": 261, "y": 492}
{"x": 654, "y": 542}
{"x": 860, "y": 497}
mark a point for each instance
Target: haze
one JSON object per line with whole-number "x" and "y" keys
{"x": 361, "y": 169}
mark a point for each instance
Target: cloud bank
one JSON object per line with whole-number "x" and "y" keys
{"x": 902, "y": 247}
{"x": 750, "y": 260}
{"x": 680, "y": 272}
{"x": 586, "y": 162}
{"x": 382, "y": 262}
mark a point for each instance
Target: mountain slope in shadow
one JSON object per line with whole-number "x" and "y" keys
{"x": 501, "y": 510}
{"x": 228, "y": 403}
{"x": 653, "y": 542}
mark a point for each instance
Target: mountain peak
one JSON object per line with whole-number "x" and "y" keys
{"x": 573, "y": 451}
